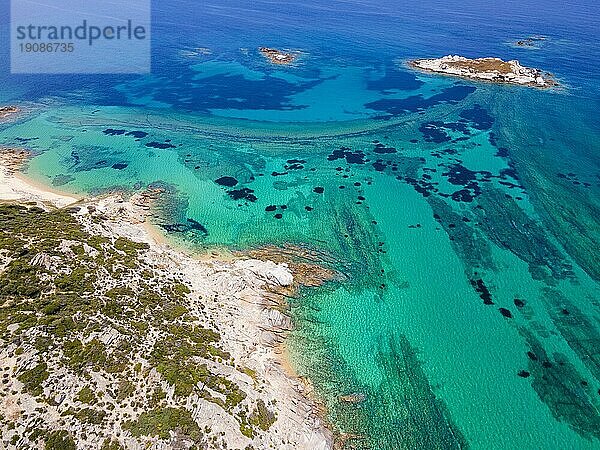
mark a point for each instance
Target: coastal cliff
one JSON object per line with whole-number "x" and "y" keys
{"x": 492, "y": 70}
{"x": 111, "y": 339}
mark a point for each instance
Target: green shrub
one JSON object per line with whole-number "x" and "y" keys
{"x": 159, "y": 422}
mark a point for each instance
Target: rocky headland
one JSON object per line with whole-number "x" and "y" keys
{"x": 111, "y": 339}
{"x": 493, "y": 70}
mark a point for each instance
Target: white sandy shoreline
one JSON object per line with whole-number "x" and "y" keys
{"x": 251, "y": 328}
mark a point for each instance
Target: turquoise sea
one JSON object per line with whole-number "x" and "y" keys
{"x": 464, "y": 216}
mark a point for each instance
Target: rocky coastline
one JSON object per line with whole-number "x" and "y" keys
{"x": 75, "y": 377}
{"x": 493, "y": 70}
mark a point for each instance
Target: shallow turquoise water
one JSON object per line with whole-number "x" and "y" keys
{"x": 467, "y": 225}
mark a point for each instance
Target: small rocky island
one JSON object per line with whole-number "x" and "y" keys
{"x": 493, "y": 70}
{"x": 7, "y": 111}
{"x": 278, "y": 56}
{"x": 531, "y": 41}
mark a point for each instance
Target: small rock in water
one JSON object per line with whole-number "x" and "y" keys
{"x": 523, "y": 374}
{"x": 505, "y": 312}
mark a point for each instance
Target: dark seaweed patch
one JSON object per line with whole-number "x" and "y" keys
{"x": 458, "y": 174}
{"x": 432, "y": 132}
{"x": 137, "y": 134}
{"x": 379, "y": 165}
{"x": 226, "y": 181}
{"x": 507, "y": 225}
{"x": 558, "y": 385}
{"x": 225, "y": 91}
{"x": 482, "y": 290}
{"x": 382, "y": 149}
{"x": 174, "y": 227}
{"x": 244, "y": 193}
{"x": 119, "y": 166}
{"x": 415, "y": 103}
{"x": 519, "y": 303}
{"x": 578, "y": 330}
{"x": 479, "y": 117}
{"x": 502, "y": 152}
{"x": 195, "y": 225}
{"x": 431, "y": 425}
{"x": 505, "y": 312}
{"x": 395, "y": 79}
{"x": 160, "y": 145}
{"x": 113, "y": 132}
{"x": 295, "y": 166}
{"x": 191, "y": 225}
{"x": 347, "y": 154}
{"x": 61, "y": 180}
{"x": 319, "y": 190}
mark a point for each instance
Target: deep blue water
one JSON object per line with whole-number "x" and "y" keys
{"x": 356, "y": 32}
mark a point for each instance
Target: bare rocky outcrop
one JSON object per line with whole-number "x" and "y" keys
{"x": 6, "y": 112}
{"x": 279, "y": 57}
{"x": 493, "y": 70}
